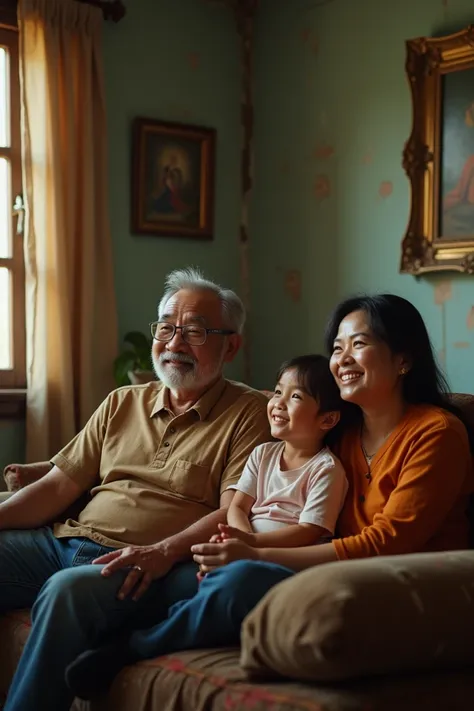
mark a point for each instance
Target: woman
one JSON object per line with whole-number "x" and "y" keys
{"x": 408, "y": 459}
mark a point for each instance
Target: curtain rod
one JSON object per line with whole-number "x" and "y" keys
{"x": 114, "y": 11}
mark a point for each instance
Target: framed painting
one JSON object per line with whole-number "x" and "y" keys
{"x": 172, "y": 179}
{"x": 439, "y": 155}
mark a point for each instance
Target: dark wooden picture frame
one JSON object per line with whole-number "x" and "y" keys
{"x": 172, "y": 179}
{"x": 439, "y": 155}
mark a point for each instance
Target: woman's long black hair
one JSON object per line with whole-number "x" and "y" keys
{"x": 399, "y": 324}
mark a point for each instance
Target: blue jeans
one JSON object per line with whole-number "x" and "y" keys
{"x": 213, "y": 617}
{"x": 74, "y": 608}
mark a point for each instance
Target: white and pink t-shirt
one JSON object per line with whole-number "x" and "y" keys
{"x": 314, "y": 493}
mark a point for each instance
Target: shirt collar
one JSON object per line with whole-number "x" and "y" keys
{"x": 202, "y": 407}
{"x": 162, "y": 402}
{"x": 207, "y": 401}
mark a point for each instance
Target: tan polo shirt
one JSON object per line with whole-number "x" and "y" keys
{"x": 152, "y": 474}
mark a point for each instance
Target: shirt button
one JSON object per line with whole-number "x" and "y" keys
{"x": 368, "y": 476}
{"x": 172, "y": 430}
{"x": 362, "y": 499}
{"x": 166, "y": 444}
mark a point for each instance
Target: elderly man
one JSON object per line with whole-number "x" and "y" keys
{"x": 158, "y": 460}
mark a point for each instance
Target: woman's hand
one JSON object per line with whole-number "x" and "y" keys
{"x": 215, "y": 555}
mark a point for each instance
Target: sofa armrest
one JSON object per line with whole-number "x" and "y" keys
{"x": 17, "y": 476}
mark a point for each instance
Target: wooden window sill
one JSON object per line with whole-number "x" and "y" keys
{"x": 12, "y": 404}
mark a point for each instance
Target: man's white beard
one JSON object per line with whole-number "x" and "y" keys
{"x": 195, "y": 378}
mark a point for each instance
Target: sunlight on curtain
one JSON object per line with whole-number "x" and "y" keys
{"x": 70, "y": 300}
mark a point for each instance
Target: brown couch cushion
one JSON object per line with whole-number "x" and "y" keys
{"x": 374, "y": 616}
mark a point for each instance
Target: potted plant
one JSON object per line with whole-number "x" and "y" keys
{"x": 133, "y": 365}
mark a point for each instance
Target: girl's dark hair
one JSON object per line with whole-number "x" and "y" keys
{"x": 316, "y": 379}
{"x": 399, "y": 324}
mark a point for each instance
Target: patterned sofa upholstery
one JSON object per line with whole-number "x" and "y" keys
{"x": 212, "y": 680}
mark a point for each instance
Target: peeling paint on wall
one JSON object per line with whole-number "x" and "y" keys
{"x": 293, "y": 284}
{"x": 385, "y": 188}
{"x": 194, "y": 59}
{"x": 323, "y": 151}
{"x": 470, "y": 319}
{"x": 307, "y": 37}
{"x": 443, "y": 292}
{"x": 322, "y": 187}
{"x": 461, "y": 345}
{"x": 305, "y": 34}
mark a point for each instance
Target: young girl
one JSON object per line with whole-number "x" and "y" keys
{"x": 290, "y": 494}
{"x": 291, "y": 491}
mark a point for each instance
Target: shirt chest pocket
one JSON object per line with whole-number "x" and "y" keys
{"x": 191, "y": 481}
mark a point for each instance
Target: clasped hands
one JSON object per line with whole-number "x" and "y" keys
{"x": 224, "y": 547}
{"x": 147, "y": 563}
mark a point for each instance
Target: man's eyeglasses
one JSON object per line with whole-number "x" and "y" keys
{"x": 192, "y": 334}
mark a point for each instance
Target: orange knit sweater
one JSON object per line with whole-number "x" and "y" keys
{"x": 416, "y": 496}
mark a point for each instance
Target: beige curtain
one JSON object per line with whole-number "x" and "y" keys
{"x": 70, "y": 300}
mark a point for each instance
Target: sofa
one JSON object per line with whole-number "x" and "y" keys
{"x": 384, "y": 634}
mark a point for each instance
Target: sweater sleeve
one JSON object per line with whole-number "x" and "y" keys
{"x": 432, "y": 479}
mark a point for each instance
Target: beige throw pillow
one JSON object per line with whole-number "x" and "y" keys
{"x": 355, "y": 618}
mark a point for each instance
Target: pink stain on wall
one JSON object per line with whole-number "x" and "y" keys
{"x": 443, "y": 292}
{"x": 307, "y": 37}
{"x": 385, "y": 188}
{"x": 322, "y": 187}
{"x": 305, "y": 34}
{"x": 323, "y": 151}
{"x": 194, "y": 59}
{"x": 293, "y": 284}
{"x": 368, "y": 158}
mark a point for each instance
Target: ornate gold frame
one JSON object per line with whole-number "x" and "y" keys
{"x": 427, "y": 60}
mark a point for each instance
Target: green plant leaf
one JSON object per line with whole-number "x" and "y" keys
{"x": 122, "y": 364}
{"x": 139, "y": 342}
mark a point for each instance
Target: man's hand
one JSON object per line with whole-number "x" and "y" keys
{"x": 215, "y": 555}
{"x": 146, "y": 563}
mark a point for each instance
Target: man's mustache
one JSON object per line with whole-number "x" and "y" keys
{"x": 177, "y": 358}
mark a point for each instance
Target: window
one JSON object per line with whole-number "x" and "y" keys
{"x": 12, "y": 299}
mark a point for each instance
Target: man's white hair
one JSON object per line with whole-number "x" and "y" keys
{"x": 233, "y": 311}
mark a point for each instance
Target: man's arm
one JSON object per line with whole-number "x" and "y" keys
{"x": 178, "y": 547}
{"x": 40, "y": 502}
{"x": 149, "y": 562}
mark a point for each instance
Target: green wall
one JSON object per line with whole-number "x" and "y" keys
{"x": 331, "y": 201}
{"x": 176, "y": 60}
{"x": 332, "y": 114}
